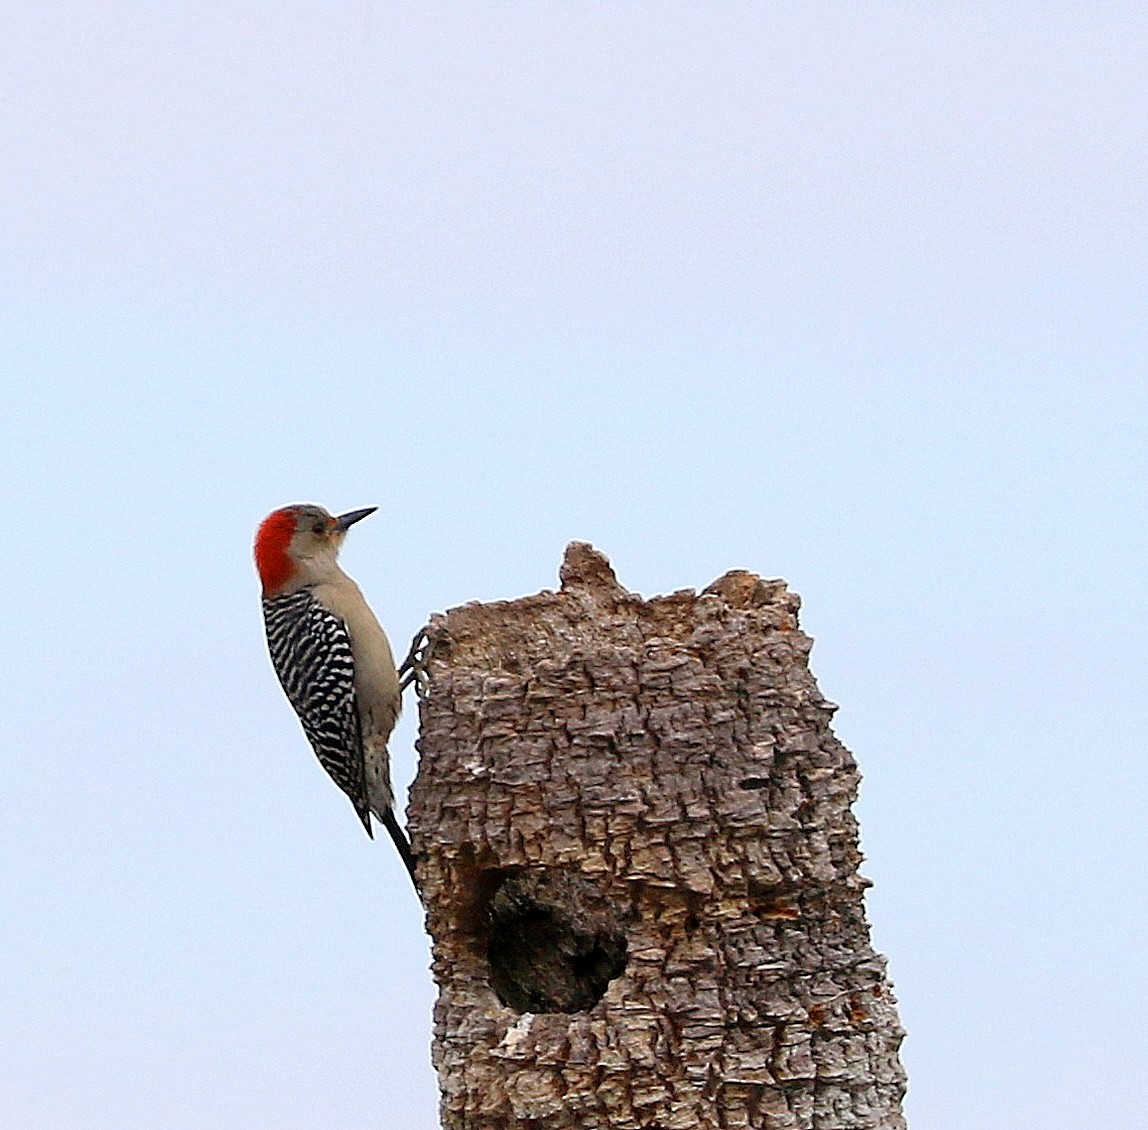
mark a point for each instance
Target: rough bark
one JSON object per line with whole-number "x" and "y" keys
{"x": 640, "y": 868}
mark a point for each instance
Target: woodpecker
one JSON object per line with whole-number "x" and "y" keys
{"x": 332, "y": 657}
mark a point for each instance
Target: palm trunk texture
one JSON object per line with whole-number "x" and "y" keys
{"x": 639, "y": 864}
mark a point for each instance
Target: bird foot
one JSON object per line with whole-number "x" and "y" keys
{"x": 413, "y": 669}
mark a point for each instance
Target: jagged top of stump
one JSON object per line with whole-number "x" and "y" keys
{"x": 509, "y": 633}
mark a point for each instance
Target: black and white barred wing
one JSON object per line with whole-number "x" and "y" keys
{"x": 311, "y": 654}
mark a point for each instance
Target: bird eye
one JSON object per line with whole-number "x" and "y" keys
{"x": 318, "y": 528}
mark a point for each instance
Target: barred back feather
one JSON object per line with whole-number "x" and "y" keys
{"x": 311, "y": 653}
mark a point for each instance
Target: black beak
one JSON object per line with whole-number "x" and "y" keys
{"x": 345, "y": 521}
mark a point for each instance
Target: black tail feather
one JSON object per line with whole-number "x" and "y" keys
{"x": 390, "y": 822}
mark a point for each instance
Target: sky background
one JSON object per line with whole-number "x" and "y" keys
{"x": 849, "y": 293}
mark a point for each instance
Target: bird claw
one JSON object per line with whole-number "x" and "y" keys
{"x": 413, "y": 669}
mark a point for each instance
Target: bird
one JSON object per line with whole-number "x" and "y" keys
{"x": 332, "y": 657}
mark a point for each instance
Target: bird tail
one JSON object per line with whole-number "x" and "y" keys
{"x": 395, "y": 830}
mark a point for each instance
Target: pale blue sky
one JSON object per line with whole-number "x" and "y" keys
{"x": 849, "y": 293}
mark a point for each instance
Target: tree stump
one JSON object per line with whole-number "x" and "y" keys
{"x": 639, "y": 865}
